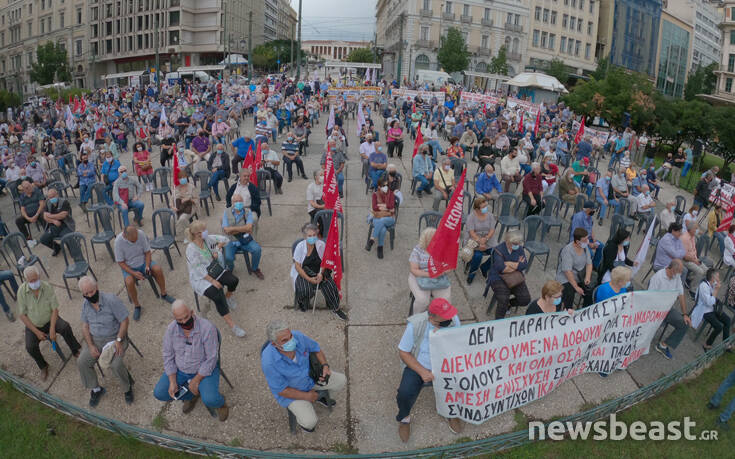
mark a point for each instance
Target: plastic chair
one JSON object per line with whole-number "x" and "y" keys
{"x": 161, "y": 186}
{"x": 265, "y": 186}
{"x": 507, "y": 202}
{"x": 323, "y": 219}
{"x": 104, "y": 226}
{"x": 166, "y": 218}
{"x": 205, "y": 194}
{"x": 552, "y": 208}
{"x": 532, "y": 226}
{"x": 681, "y": 206}
{"x": 56, "y": 175}
{"x": 76, "y": 246}
{"x": 15, "y": 194}
{"x": 13, "y": 245}
{"x": 429, "y": 219}
{"x": 98, "y": 194}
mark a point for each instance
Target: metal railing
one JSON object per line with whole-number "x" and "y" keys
{"x": 484, "y": 446}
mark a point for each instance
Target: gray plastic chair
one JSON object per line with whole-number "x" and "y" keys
{"x": 15, "y": 194}
{"x": 429, "y": 219}
{"x": 507, "y": 202}
{"x": 76, "y": 246}
{"x": 97, "y": 198}
{"x": 166, "y": 218}
{"x": 13, "y": 245}
{"x": 323, "y": 218}
{"x": 56, "y": 175}
{"x": 265, "y": 186}
{"x": 205, "y": 194}
{"x": 532, "y": 226}
{"x": 161, "y": 187}
{"x": 552, "y": 208}
{"x": 104, "y": 227}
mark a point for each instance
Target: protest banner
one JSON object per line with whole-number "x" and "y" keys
{"x": 595, "y": 133}
{"x": 469, "y": 98}
{"x": 723, "y": 195}
{"x": 526, "y": 105}
{"x": 412, "y": 93}
{"x": 482, "y": 370}
{"x": 369, "y": 93}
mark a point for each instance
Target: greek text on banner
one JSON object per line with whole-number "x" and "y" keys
{"x": 485, "y": 369}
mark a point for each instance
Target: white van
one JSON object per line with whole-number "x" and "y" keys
{"x": 435, "y": 77}
{"x": 175, "y": 77}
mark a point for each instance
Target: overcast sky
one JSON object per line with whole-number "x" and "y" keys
{"x": 337, "y": 19}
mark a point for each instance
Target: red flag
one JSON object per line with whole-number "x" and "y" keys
{"x": 332, "y": 259}
{"x": 727, "y": 220}
{"x": 257, "y": 164}
{"x": 70, "y": 100}
{"x": 413, "y": 108}
{"x": 76, "y": 104}
{"x": 176, "y": 165}
{"x": 538, "y": 122}
{"x": 418, "y": 142}
{"x": 188, "y": 94}
{"x": 580, "y": 132}
{"x": 444, "y": 246}
{"x": 84, "y": 105}
{"x": 249, "y": 160}
{"x": 484, "y": 109}
{"x": 520, "y": 123}
{"x": 217, "y": 98}
{"x": 58, "y": 104}
{"x": 330, "y": 190}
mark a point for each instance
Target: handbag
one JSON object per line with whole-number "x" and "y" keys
{"x": 214, "y": 270}
{"x": 468, "y": 250}
{"x": 433, "y": 283}
{"x": 316, "y": 369}
{"x": 513, "y": 279}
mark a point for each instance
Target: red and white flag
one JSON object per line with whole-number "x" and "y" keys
{"x": 330, "y": 190}
{"x": 360, "y": 119}
{"x": 444, "y": 246}
{"x": 83, "y": 107}
{"x": 727, "y": 220}
{"x": 176, "y": 164}
{"x": 188, "y": 95}
{"x": 640, "y": 257}
{"x": 330, "y": 123}
{"x": 77, "y": 106}
{"x": 257, "y": 164}
{"x": 538, "y": 122}
{"x": 580, "y": 132}
{"x": 332, "y": 259}
{"x": 249, "y": 161}
{"x": 418, "y": 142}
{"x": 520, "y": 123}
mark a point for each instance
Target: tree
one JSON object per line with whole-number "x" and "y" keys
{"x": 702, "y": 81}
{"x": 263, "y": 57}
{"x": 558, "y": 70}
{"x": 8, "y": 100}
{"x": 499, "y": 63}
{"x": 723, "y": 136}
{"x": 361, "y": 55}
{"x": 453, "y": 55}
{"x": 51, "y": 64}
{"x": 602, "y": 67}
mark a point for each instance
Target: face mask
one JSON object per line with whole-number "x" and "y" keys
{"x": 515, "y": 246}
{"x": 140, "y": 148}
{"x": 205, "y": 234}
{"x": 123, "y": 175}
{"x": 311, "y": 240}
{"x": 290, "y": 345}
{"x": 557, "y": 301}
{"x": 583, "y": 245}
{"x": 384, "y": 189}
{"x": 95, "y": 298}
{"x": 53, "y": 200}
{"x": 109, "y": 160}
{"x": 445, "y": 323}
{"x": 626, "y": 243}
{"x": 290, "y": 139}
{"x": 380, "y": 148}
{"x": 369, "y": 140}
{"x": 446, "y": 168}
{"x": 35, "y": 285}
{"x": 239, "y": 205}
{"x": 183, "y": 181}
{"x": 219, "y": 152}
{"x": 484, "y": 210}
{"x": 219, "y": 120}
{"x": 188, "y": 325}
{"x": 694, "y": 213}
{"x": 628, "y": 284}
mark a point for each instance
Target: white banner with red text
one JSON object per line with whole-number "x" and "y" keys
{"x": 485, "y": 369}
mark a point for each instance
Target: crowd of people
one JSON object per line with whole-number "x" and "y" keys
{"x": 526, "y": 167}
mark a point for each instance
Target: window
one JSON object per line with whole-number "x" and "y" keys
{"x": 565, "y": 21}
{"x": 587, "y": 49}
{"x": 732, "y": 37}
{"x": 731, "y": 63}
{"x": 517, "y": 19}
{"x": 553, "y": 17}
{"x": 61, "y": 20}
{"x": 487, "y": 14}
{"x": 427, "y": 4}
{"x": 728, "y": 85}
{"x": 485, "y": 40}
{"x": 579, "y": 25}
{"x": 572, "y": 23}
{"x": 552, "y": 41}
{"x": 570, "y": 46}
{"x": 78, "y": 47}
{"x": 535, "y": 38}
{"x": 546, "y": 15}
{"x": 448, "y": 8}
{"x": 43, "y": 27}
{"x": 544, "y": 39}
{"x": 424, "y": 32}
{"x": 537, "y": 14}
{"x": 509, "y": 18}
{"x": 589, "y": 28}
{"x": 592, "y": 6}
{"x": 79, "y": 15}
{"x": 422, "y": 62}
{"x": 581, "y": 4}
{"x": 466, "y": 10}
{"x": 563, "y": 45}
{"x": 576, "y": 47}
{"x": 574, "y": 3}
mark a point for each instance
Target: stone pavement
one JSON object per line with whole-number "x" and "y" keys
{"x": 374, "y": 291}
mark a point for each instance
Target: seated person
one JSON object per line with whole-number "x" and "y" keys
{"x": 568, "y": 189}
{"x": 510, "y": 169}
{"x": 383, "y": 214}
{"x": 249, "y": 192}
{"x": 486, "y": 153}
{"x": 443, "y": 183}
{"x": 619, "y": 283}
{"x": 238, "y": 223}
{"x": 291, "y": 156}
{"x": 125, "y": 194}
{"x": 574, "y": 271}
{"x": 487, "y": 184}
{"x": 708, "y": 309}
{"x": 187, "y": 202}
{"x": 423, "y": 171}
{"x": 271, "y": 161}
{"x": 133, "y": 254}
{"x": 35, "y": 172}
{"x": 59, "y": 221}
{"x": 378, "y": 162}
{"x": 219, "y": 165}
{"x": 32, "y": 205}
{"x": 646, "y": 207}
{"x": 285, "y": 361}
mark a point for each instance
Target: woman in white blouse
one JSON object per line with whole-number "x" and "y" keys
{"x": 200, "y": 252}
{"x": 706, "y": 310}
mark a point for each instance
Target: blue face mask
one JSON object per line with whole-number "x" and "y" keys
{"x": 515, "y": 247}
{"x": 626, "y": 243}
{"x": 124, "y": 175}
{"x": 53, "y": 200}
{"x": 183, "y": 181}
{"x": 629, "y": 284}
{"x": 239, "y": 205}
{"x": 557, "y": 301}
{"x": 484, "y": 210}
{"x": 311, "y": 240}
{"x": 289, "y": 345}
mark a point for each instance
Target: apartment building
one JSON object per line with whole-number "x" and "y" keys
{"x": 725, "y": 90}
{"x": 409, "y": 31}
{"x": 565, "y": 30}
{"x": 707, "y": 35}
{"x": 673, "y": 59}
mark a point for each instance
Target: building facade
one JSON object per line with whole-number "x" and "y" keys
{"x": 332, "y": 50}
{"x": 409, "y": 31}
{"x": 707, "y": 37}
{"x": 627, "y": 33}
{"x": 725, "y": 90}
{"x": 674, "y": 54}
{"x": 25, "y": 24}
{"x": 565, "y": 30}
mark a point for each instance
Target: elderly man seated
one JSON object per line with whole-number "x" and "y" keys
{"x": 133, "y": 254}
{"x": 691, "y": 260}
{"x": 59, "y": 221}
{"x": 238, "y": 223}
{"x": 510, "y": 169}
{"x": 487, "y": 184}
{"x": 248, "y": 191}
{"x": 271, "y": 161}
{"x": 646, "y": 207}
{"x": 286, "y": 359}
{"x": 32, "y": 204}
{"x": 38, "y": 309}
{"x": 423, "y": 170}
{"x": 125, "y": 194}
{"x": 443, "y": 183}
{"x": 190, "y": 362}
{"x": 104, "y": 324}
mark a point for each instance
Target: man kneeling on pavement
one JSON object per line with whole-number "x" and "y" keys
{"x": 286, "y": 363}
{"x": 416, "y": 356}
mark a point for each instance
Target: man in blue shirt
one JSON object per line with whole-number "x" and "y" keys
{"x": 618, "y": 149}
{"x": 487, "y": 184}
{"x": 243, "y": 145}
{"x": 285, "y": 362}
{"x": 423, "y": 170}
{"x": 584, "y": 148}
{"x": 601, "y": 194}
{"x": 583, "y": 219}
{"x": 87, "y": 177}
{"x": 238, "y": 223}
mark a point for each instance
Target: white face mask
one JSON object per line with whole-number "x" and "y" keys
{"x": 35, "y": 285}
{"x": 446, "y": 168}
{"x": 384, "y": 189}
{"x": 205, "y": 234}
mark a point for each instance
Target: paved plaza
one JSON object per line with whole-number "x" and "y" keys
{"x": 376, "y": 295}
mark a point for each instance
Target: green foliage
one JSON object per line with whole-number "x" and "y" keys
{"x": 9, "y": 99}
{"x": 702, "y": 81}
{"x": 601, "y": 70}
{"x": 265, "y": 56}
{"x": 51, "y": 64}
{"x": 453, "y": 55}
{"x": 558, "y": 70}
{"x": 499, "y": 63}
{"x": 64, "y": 94}
{"x": 361, "y": 55}
{"x": 723, "y": 135}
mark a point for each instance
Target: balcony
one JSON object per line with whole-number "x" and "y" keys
{"x": 514, "y": 56}
{"x": 427, "y": 13}
{"x": 428, "y": 44}
{"x": 487, "y": 22}
{"x": 448, "y": 16}
{"x": 513, "y": 27}
{"x": 483, "y": 51}
{"x": 466, "y": 19}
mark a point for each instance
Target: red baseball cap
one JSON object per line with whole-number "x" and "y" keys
{"x": 442, "y": 308}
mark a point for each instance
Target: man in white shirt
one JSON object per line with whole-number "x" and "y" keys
{"x": 704, "y": 310}
{"x": 646, "y": 207}
{"x": 271, "y": 161}
{"x": 367, "y": 148}
{"x": 665, "y": 279}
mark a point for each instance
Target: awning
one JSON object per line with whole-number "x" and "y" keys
{"x": 356, "y": 65}
{"x": 234, "y": 59}
{"x": 492, "y": 76}
{"x": 537, "y": 80}
{"x": 114, "y": 76}
{"x": 200, "y": 68}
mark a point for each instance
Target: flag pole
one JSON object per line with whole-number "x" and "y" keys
{"x": 313, "y": 306}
